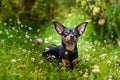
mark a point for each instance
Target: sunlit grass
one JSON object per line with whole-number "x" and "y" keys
{"x": 20, "y": 57}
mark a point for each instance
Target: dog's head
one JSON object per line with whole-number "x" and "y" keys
{"x": 70, "y": 35}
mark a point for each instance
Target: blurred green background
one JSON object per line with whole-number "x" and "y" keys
{"x": 103, "y": 15}
{"x": 24, "y": 21}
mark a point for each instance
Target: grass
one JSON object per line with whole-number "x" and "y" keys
{"x": 20, "y": 57}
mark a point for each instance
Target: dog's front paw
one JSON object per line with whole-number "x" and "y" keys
{"x": 46, "y": 49}
{"x": 45, "y": 53}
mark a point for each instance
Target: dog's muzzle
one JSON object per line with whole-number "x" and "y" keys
{"x": 71, "y": 40}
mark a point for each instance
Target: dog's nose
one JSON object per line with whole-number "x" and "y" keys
{"x": 71, "y": 36}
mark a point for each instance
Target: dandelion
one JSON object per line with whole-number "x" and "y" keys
{"x": 13, "y": 60}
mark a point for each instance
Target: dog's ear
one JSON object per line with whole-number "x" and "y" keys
{"x": 81, "y": 27}
{"x": 59, "y": 27}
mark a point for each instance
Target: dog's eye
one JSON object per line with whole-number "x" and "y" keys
{"x": 66, "y": 33}
{"x": 75, "y": 33}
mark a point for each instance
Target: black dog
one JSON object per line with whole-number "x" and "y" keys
{"x": 66, "y": 53}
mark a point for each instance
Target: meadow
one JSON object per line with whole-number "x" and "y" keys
{"x": 21, "y": 58}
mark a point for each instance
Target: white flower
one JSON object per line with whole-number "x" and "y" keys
{"x": 0, "y": 32}
{"x": 19, "y": 37}
{"x": 13, "y": 28}
{"x": 32, "y": 59}
{"x": 7, "y": 33}
{"x": 2, "y": 41}
{"x": 33, "y": 44}
{"x": 18, "y": 22}
{"x": 108, "y": 62}
{"x": 16, "y": 30}
{"x": 94, "y": 50}
{"x": 49, "y": 38}
{"x": 103, "y": 56}
{"x": 56, "y": 41}
{"x": 110, "y": 78}
{"x": 13, "y": 60}
{"x": 38, "y": 30}
{"x": 30, "y": 39}
{"x": 25, "y": 26}
{"x": 41, "y": 61}
{"x": 27, "y": 36}
{"x": 24, "y": 50}
{"x": 5, "y": 23}
{"x": 85, "y": 75}
{"x": 10, "y": 19}
{"x": 96, "y": 10}
{"x": 46, "y": 40}
{"x": 22, "y": 25}
{"x": 96, "y": 69}
{"x": 101, "y": 22}
{"x": 11, "y": 36}
{"x": 29, "y": 28}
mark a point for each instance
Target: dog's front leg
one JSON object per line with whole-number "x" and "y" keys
{"x": 74, "y": 62}
{"x": 65, "y": 62}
